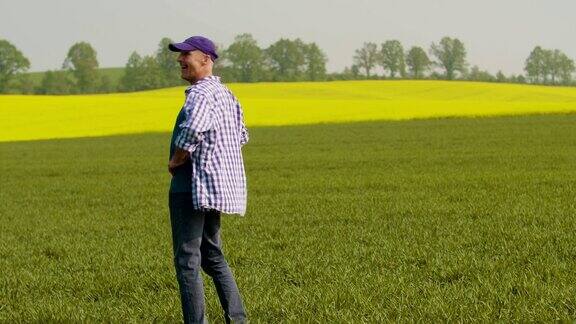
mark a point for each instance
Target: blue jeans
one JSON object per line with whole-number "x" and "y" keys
{"x": 196, "y": 244}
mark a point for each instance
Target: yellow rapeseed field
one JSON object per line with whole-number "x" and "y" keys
{"x": 43, "y": 117}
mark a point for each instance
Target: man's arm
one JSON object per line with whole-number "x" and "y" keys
{"x": 180, "y": 157}
{"x": 244, "y": 137}
{"x": 198, "y": 120}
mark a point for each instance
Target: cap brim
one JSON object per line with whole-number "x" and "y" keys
{"x": 185, "y": 47}
{"x": 181, "y": 47}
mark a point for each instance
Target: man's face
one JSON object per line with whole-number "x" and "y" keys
{"x": 193, "y": 65}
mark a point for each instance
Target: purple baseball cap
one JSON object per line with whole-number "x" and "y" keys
{"x": 200, "y": 43}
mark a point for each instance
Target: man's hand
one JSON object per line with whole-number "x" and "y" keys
{"x": 180, "y": 157}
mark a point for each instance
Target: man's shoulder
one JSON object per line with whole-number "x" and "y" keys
{"x": 211, "y": 89}
{"x": 206, "y": 87}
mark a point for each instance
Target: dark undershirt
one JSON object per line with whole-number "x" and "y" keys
{"x": 182, "y": 178}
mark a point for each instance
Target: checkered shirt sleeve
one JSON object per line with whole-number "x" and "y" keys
{"x": 244, "y": 136}
{"x": 199, "y": 119}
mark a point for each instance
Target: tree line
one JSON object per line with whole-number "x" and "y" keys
{"x": 284, "y": 60}
{"x": 447, "y": 61}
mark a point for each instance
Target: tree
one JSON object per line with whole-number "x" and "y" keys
{"x": 315, "y": 62}
{"x": 12, "y": 62}
{"x": 451, "y": 56}
{"x": 246, "y": 59}
{"x": 392, "y": 58}
{"x": 516, "y": 78}
{"x": 535, "y": 65}
{"x": 566, "y": 69}
{"x": 168, "y": 64}
{"x": 106, "y": 85}
{"x": 56, "y": 82}
{"x": 520, "y": 79}
{"x": 132, "y": 72}
{"x": 561, "y": 67}
{"x": 23, "y": 84}
{"x": 141, "y": 73}
{"x": 417, "y": 61}
{"x": 81, "y": 60}
{"x": 150, "y": 78}
{"x": 549, "y": 66}
{"x": 355, "y": 71}
{"x": 349, "y": 73}
{"x": 287, "y": 59}
{"x": 223, "y": 69}
{"x": 366, "y": 57}
{"x": 500, "y": 77}
{"x": 475, "y": 74}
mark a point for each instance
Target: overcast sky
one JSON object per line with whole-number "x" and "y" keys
{"x": 498, "y": 34}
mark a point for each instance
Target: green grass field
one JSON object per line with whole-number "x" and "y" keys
{"x": 426, "y": 220}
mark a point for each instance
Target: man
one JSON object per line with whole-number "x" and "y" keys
{"x": 207, "y": 179}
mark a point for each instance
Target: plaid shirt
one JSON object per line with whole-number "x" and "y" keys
{"x": 214, "y": 133}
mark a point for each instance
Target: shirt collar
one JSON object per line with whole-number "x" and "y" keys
{"x": 204, "y": 79}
